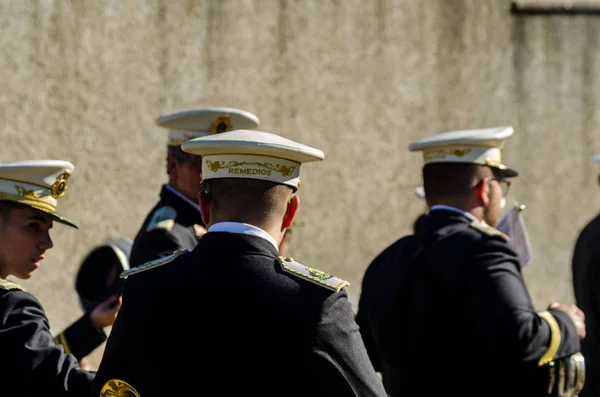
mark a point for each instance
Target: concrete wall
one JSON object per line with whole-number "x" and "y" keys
{"x": 84, "y": 80}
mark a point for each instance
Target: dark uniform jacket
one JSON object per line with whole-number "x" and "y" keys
{"x": 446, "y": 311}
{"x": 586, "y": 285}
{"x": 81, "y": 338}
{"x": 32, "y": 364}
{"x": 171, "y": 225}
{"x": 227, "y": 319}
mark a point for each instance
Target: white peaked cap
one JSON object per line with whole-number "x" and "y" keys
{"x": 190, "y": 124}
{"x": 477, "y": 146}
{"x": 37, "y": 184}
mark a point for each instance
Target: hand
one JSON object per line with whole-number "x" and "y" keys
{"x": 575, "y": 313}
{"x": 105, "y": 313}
{"x": 83, "y": 364}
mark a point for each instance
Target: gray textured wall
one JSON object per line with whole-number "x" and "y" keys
{"x": 84, "y": 80}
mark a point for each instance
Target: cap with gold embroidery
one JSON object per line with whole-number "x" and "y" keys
{"x": 252, "y": 154}
{"x": 191, "y": 124}
{"x": 37, "y": 184}
{"x": 478, "y": 146}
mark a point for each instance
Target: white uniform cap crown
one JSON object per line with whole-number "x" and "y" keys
{"x": 594, "y": 159}
{"x": 37, "y": 184}
{"x": 252, "y": 154}
{"x": 477, "y": 146}
{"x": 190, "y": 124}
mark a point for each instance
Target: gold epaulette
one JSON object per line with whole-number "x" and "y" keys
{"x": 487, "y": 229}
{"x": 9, "y": 285}
{"x": 152, "y": 264}
{"x": 314, "y": 276}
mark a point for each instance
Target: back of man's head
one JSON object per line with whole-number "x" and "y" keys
{"x": 254, "y": 201}
{"x": 449, "y": 183}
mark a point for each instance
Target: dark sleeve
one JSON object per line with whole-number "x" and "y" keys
{"x": 81, "y": 338}
{"x": 153, "y": 244}
{"x": 340, "y": 356}
{"x": 363, "y": 314}
{"x": 125, "y": 347}
{"x": 504, "y": 313}
{"x": 34, "y": 364}
{"x": 382, "y": 286}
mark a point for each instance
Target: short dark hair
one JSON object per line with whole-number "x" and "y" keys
{"x": 249, "y": 200}
{"x": 179, "y": 155}
{"x": 6, "y": 208}
{"x": 451, "y": 180}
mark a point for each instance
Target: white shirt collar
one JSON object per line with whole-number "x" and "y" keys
{"x": 453, "y": 209}
{"x": 242, "y": 228}
{"x": 181, "y": 196}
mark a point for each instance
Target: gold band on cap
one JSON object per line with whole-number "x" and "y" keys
{"x": 267, "y": 168}
{"x": 178, "y": 137}
{"x": 464, "y": 154}
{"x": 34, "y": 196}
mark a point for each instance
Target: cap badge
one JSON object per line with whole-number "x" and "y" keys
{"x": 221, "y": 124}
{"x": 60, "y": 186}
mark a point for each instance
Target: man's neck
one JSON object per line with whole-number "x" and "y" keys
{"x": 473, "y": 211}
{"x": 273, "y": 230}
{"x": 183, "y": 197}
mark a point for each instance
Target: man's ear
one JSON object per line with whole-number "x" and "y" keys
{"x": 290, "y": 211}
{"x": 204, "y": 200}
{"x": 483, "y": 192}
{"x": 171, "y": 165}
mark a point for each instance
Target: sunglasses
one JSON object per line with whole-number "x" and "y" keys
{"x": 504, "y": 184}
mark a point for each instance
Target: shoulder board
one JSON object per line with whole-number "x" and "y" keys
{"x": 487, "y": 229}
{"x": 152, "y": 264}
{"x": 163, "y": 218}
{"x": 9, "y": 285}
{"x": 314, "y": 276}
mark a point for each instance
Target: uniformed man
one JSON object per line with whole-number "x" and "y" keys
{"x": 511, "y": 223}
{"x": 34, "y": 364}
{"x": 446, "y": 310}
{"x": 586, "y": 282}
{"x": 175, "y": 222}
{"x": 252, "y": 322}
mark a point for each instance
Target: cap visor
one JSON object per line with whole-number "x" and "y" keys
{"x": 63, "y": 220}
{"x": 59, "y": 218}
{"x": 505, "y": 172}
